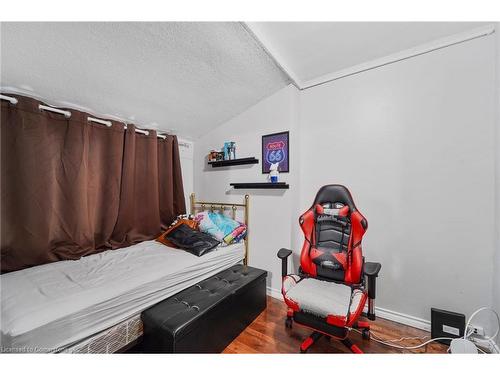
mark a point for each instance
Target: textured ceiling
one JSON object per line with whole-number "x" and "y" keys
{"x": 312, "y": 49}
{"x": 186, "y": 77}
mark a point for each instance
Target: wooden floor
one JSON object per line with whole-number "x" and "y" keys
{"x": 267, "y": 334}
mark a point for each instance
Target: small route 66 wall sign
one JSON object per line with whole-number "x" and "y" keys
{"x": 276, "y": 148}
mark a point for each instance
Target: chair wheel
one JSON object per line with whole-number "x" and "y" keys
{"x": 288, "y": 323}
{"x": 365, "y": 334}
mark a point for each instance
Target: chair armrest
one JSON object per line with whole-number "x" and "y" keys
{"x": 372, "y": 269}
{"x": 283, "y": 254}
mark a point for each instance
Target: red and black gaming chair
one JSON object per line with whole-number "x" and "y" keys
{"x": 334, "y": 282}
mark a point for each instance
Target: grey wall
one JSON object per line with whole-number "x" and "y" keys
{"x": 186, "y": 153}
{"x": 271, "y": 212}
{"x": 496, "y": 271}
{"x": 415, "y": 143}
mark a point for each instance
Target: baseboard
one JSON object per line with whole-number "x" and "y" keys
{"x": 275, "y": 293}
{"x": 402, "y": 318}
{"x": 394, "y": 316}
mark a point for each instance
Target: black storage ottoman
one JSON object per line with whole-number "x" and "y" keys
{"x": 206, "y": 317}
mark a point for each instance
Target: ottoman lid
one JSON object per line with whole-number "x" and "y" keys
{"x": 175, "y": 314}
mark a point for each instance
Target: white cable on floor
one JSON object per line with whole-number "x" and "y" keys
{"x": 379, "y": 340}
{"x": 409, "y": 338}
{"x": 466, "y": 334}
{"x": 481, "y": 350}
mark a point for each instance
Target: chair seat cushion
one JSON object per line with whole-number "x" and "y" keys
{"x": 323, "y": 298}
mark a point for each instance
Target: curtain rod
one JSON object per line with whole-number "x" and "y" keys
{"x": 12, "y": 100}
{"x": 66, "y": 114}
{"x": 99, "y": 121}
{"x": 109, "y": 124}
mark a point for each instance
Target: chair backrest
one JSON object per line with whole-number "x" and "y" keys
{"x": 333, "y": 229}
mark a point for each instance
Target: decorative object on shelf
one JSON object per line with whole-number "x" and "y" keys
{"x": 276, "y": 149}
{"x": 229, "y": 163}
{"x": 259, "y": 185}
{"x": 232, "y": 151}
{"x": 229, "y": 150}
{"x": 215, "y": 155}
{"x": 274, "y": 173}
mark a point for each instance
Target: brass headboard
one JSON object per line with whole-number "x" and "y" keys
{"x": 212, "y": 206}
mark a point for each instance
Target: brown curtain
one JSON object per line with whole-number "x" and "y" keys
{"x": 72, "y": 188}
{"x": 170, "y": 181}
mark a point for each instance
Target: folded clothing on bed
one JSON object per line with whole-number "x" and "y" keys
{"x": 193, "y": 241}
{"x": 221, "y": 227}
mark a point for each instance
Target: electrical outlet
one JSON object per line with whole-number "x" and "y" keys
{"x": 476, "y": 330}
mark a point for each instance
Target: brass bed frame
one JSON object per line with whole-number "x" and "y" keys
{"x": 212, "y": 206}
{"x": 125, "y": 334}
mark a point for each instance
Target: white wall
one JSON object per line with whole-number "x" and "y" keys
{"x": 186, "y": 153}
{"x": 271, "y": 212}
{"x": 496, "y": 270}
{"x": 415, "y": 143}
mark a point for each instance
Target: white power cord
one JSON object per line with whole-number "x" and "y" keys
{"x": 489, "y": 340}
{"x": 390, "y": 342}
{"x": 408, "y": 338}
{"x": 474, "y": 314}
{"x": 481, "y": 350}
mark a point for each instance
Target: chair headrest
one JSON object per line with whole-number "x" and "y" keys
{"x": 335, "y": 194}
{"x": 335, "y": 211}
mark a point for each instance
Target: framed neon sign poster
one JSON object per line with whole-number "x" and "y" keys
{"x": 276, "y": 148}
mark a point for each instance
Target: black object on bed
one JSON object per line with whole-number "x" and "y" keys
{"x": 206, "y": 317}
{"x": 193, "y": 241}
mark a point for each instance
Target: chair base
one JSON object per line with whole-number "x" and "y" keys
{"x": 315, "y": 336}
{"x": 307, "y": 343}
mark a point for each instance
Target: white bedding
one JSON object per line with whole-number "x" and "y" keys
{"x": 48, "y": 307}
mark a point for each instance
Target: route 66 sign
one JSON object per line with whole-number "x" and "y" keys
{"x": 275, "y": 148}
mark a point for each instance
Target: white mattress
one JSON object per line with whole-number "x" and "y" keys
{"x": 49, "y": 307}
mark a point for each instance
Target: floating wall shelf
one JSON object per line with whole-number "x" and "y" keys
{"x": 229, "y": 163}
{"x": 259, "y": 185}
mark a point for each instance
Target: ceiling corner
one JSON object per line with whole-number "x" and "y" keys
{"x": 254, "y": 29}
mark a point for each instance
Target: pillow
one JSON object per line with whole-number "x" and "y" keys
{"x": 193, "y": 224}
{"x": 192, "y": 241}
{"x": 218, "y": 225}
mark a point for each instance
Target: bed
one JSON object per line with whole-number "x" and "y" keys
{"x": 93, "y": 305}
